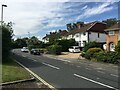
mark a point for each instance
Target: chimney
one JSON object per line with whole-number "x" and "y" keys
{"x": 78, "y": 25}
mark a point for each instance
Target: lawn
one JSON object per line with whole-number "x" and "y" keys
{"x": 11, "y": 71}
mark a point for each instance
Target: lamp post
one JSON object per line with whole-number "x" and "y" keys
{"x": 3, "y": 5}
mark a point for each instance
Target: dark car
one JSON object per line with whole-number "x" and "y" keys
{"x": 35, "y": 51}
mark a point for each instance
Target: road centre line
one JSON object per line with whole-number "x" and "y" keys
{"x": 64, "y": 60}
{"x": 114, "y": 75}
{"x": 101, "y": 72}
{"x": 88, "y": 68}
{"x": 50, "y": 65}
{"x": 95, "y": 81}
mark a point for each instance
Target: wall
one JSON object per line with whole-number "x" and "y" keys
{"x": 80, "y": 37}
{"x": 112, "y": 38}
{"x": 93, "y": 36}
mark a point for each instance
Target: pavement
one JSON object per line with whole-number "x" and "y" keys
{"x": 70, "y": 73}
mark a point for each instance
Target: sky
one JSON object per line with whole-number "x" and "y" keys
{"x": 39, "y": 17}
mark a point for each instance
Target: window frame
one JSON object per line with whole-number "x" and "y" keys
{"x": 111, "y": 33}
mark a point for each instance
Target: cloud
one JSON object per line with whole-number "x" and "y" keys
{"x": 88, "y": 12}
{"x": 40, "y": 16}
{"x": 85, "y": 7}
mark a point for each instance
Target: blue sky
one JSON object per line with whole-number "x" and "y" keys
{"x": 41, "y": 17}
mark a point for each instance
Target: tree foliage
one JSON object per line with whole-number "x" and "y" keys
{"x": 110, "y": 21}
{"x": 7, "y": 34}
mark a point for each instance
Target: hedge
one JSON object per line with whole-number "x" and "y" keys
{"x": 54, "y": 49}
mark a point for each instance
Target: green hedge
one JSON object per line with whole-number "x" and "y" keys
{"x": 54, "y": 49}
{"x": 66, "y": 44}
{"x": 92, "y": 51}
{"x": 91, "y": 45}
{"x": 109, "y": 57}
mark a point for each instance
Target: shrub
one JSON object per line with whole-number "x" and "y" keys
{"x": 109, "y": 57}
{"x": 117, "y": 47}
{"x": 54, "y": 49}
{"x": 92, "y": 51}
{"x": 66, "y": 44}
{"x": 91, "y": 45}
{"x": 82, "y": 54}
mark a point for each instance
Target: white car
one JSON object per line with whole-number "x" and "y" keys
{"x": 25, "y": 49}
{"x": 74, "y": 49}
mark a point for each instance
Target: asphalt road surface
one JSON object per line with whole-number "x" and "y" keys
{"x": 61, "y": 74}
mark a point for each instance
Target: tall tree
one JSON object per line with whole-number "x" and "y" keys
{"x": 69, "y": 27}
{"x": 110, "y": 21}
{"x": 7, "y": 34}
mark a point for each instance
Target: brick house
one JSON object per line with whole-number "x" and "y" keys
{"x": 112, "y": 37}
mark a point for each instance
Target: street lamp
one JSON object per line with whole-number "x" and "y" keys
{"x": 3, "y": 5}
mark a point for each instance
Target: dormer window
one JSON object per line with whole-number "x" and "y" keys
{"x": 111, "y": 32}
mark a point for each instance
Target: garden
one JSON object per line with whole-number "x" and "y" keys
{"x": 92, "y": 51}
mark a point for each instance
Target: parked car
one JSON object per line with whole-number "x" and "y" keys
{"x": 25, "y": 49}
{"x": 74, "y": 49}
{"x": 35, "y": 51}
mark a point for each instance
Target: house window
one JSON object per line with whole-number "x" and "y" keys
{"x": 111, "y": 33}
{"x": 77, "y": 35}
{"x": 84, "y": 33}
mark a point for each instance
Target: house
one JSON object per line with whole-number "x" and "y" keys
{"x": 88, "y": 32}
{"x": 61, "y": 34}
{"x": 46, "y": 38}
{"x": 112, "y": 37}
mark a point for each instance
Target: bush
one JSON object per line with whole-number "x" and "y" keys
{"x": 92, "y": 51}
{"x": 117, "y": 47}
{"x": 109, "y": 57}
{"x": 91, "y": 45}
{"x": 54, "y": 49}
{"x": 82, "y": 54}
{"x": 66, "y": 44}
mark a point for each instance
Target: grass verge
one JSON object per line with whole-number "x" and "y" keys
{"x": 11, "y": 71}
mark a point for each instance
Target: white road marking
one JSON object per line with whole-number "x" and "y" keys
{"x": 78, "y": 66}
{"x": 101, "y": 72}
{"x": 23, "y": 56}
{"x": 50, "y": 65}
{"x": 98, "y": 78}
{"x": 35, "y": 75}
{"x": 64, "y": 60}
{"x": 88, "y": 68}
{"x": 114, "y": 75}
{"x": 95, "y": 81}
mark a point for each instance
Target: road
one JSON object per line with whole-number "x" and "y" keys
{"x": 61, "y": 74}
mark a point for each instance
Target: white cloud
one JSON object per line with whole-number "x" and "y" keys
{"x": 38, "y": 15}
{"x": 88, "y": 12}
{"x": 84, "y": 7}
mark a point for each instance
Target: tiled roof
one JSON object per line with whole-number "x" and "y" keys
{"x": 114, "y": 27}
{"x": 84, "y": 28}
{"x": 63, "y": 33}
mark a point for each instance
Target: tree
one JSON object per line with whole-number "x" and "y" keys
{"x": 110, "y": 21}
{"x": 33, "y": 42}
{"x": 7, "y": 34}
{"x": 69, "y": 27}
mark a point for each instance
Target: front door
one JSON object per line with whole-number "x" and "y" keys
{"x": 112, "y": 47}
